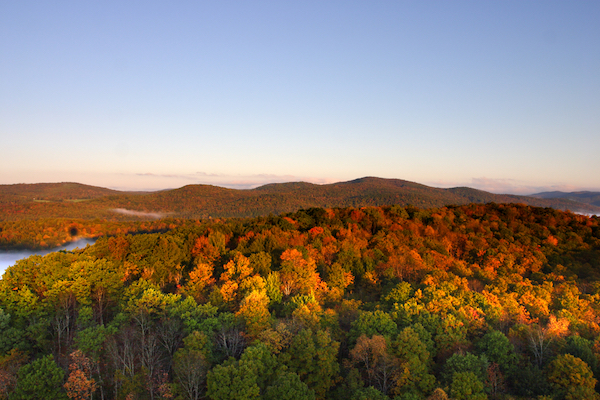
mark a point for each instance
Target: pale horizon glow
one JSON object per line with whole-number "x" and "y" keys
{"x": 498, "y": 96}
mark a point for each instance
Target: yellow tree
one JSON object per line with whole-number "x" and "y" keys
{"x": 298, "y": 275}
{"x": 235, "y": 271}
{"x": 254, "y": 310}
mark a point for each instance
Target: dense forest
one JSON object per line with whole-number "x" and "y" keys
{"x": 39, "y": 216}
{"x": 497, "y": 301}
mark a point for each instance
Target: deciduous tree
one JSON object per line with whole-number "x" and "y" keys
{"x": 572, "y": 377}
{"x": 80, "y": 385}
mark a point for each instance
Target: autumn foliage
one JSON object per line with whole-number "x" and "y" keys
{"x": 476, "y": 301}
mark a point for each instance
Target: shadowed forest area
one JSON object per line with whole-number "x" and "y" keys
{"x": 497, "y": 301}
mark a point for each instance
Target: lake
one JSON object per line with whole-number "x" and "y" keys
{"x": 9, "y": 258}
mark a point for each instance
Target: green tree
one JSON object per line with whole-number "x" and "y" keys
{"x": 10, "y": 337}
{"x": 467, "y": 362}
{"x": 450, "y": 333}
{"x": 195, "y": 317}
{"x": 40, "y": 379}
{"x": 313, "y": 356}
{"x": 414, "y": 376}
{"x": 530, "y": 381}
{"x": 273, "y": 287}
{"x": 498, "y": 349}
{"x": 190, "y": 365}
{"x": 371, "y": 323}
{"x": 98, "y": 283}
{"x": 466, "y": 386}
{"x": 581, "y": 348}
{"x": 572, "y": 378}
{"x": 145, "y": 310}
{"x": 399, "y": 294}
{"x": 369, "y": 393}
{"x": 288, "y": 386}
{"x": 231, "y": 381}
{"x": 247, "y": 378}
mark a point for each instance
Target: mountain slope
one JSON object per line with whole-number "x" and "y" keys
{"x": 197, "y": 201}
{"x": 204, "y": 201}
{"x": 24, "y": 192}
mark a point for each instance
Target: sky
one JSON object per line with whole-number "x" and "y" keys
{"x": 502, "y": 96}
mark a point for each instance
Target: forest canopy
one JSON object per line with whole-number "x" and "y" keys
{"x": 47, "y": 215}
{"x": 463, "y": 302}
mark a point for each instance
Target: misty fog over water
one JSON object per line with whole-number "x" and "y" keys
{"x": 9, "y": 258}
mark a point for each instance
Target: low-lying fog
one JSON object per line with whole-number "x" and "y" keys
{"x": 9, "y": 258}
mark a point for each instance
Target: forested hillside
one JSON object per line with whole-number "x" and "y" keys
{"x": 41, "y": 192}
{"x": 43, "y": 215}
{"x": 70, "y": 200}
{"x": 493, "y": 301}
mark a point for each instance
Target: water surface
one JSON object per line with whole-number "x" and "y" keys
{"x": 9, "y": 258}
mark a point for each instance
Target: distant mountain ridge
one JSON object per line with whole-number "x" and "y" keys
{"x": 66, "y": 200}
{"x": 592, "y": 198}
{"x": 52, "y": 191}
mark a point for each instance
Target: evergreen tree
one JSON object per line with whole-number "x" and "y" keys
{"x": 40, "y": 379}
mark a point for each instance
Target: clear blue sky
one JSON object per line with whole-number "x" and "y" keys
{"x": 498, "y": 95}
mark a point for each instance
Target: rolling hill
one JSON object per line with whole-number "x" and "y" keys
{"x": 73, "y": 200}
{"x": 63, "y": 191}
